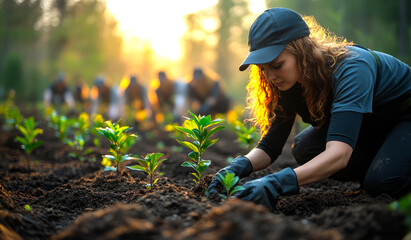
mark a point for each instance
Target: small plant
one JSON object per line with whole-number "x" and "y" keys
{"x": 13, "y": 117}
{"x": 61, "y": 125}
{"x": 117, "y": 136}
{"x": 403, "y": 205}
{"x": 229, "y": 181}
{"x": 82, "y": 126}
{"x": 29, "y": 141}
{"x": 149, "y": 164}
{"x": 11, "y": 113}
{"x": 78, "y": 145}
{"x": 98, "y": 121}
{"x": 27, "y": 208}
{"x": 197, "y": 129}
{"x": 246, "y": 136}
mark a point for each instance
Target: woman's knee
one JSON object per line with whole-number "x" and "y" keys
{"x": 307, "y": 144}
{"x": 394, "y": 185}
{"x": 299, "y": 151}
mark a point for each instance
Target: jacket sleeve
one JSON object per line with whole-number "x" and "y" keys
{"x": 290, "y": 103}
{"x": 273, "y": 141}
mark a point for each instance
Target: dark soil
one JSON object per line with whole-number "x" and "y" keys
{"x": 70, "y": 199}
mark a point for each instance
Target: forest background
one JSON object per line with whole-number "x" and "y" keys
{"x": 40, "y": 38}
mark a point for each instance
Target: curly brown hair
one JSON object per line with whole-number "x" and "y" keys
{"x": 317, "y": 56}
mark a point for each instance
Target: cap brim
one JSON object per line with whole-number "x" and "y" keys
{"x": 262, "y": 56}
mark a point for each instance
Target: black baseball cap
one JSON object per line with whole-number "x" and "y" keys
{"x": 270, "y": 32}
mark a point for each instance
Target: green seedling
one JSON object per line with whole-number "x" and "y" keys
{"x": 78, "y": 145}
{"x": 27, "y": 208}
{"x": 11, "y": 113}
{"x": 149, "y": 164}
{"x": 245, "y": 135}
{"x": 403, "y": 205}
{"x": 82, "y": 128}
{"x": 82, "y": 125}
{"x": 117, "y": 136}
{"x": 61, "y": 125}
{"x": 229, "y": 181}
{"x": 97, "y": 122}
{"x": 13, "y": 117}
{"x": 29, "y": 142}
{"x": 196, "y": 128}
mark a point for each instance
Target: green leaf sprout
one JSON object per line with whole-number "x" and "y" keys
{"x": 29, "y": 142}
{"x": 148, "y": 164}
{"x": 117, "y": 136}
{"x": 229, "y": 181}
{"x": 196, "y": 128}
{"x": 245, "y": 135}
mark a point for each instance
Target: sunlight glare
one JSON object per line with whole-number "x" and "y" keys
{"x": 161, "y": 22}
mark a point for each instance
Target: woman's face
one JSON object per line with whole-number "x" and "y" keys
{"x": 282, "y": 72}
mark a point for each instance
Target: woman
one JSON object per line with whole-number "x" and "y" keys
{"x": 357, "y": 101}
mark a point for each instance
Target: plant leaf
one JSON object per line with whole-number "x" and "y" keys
{"x": 111, "y": 157}
{"x": 188, "y": 145}
{"x": 212, "y": 131}
{"x": 189, "y": 164}
{"x": 136, "y": 167}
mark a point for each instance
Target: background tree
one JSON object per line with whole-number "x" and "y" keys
{"x": 84, "y": 36}
{"x": 198, "y": 41}
{"x": 18, "y": 50}
{"x": 231, "y": 15}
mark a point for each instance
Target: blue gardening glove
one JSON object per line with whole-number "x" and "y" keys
{"x": 240, "y": 166}
{"x": 268, "y": 189}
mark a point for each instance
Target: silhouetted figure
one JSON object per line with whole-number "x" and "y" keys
{"x": 171, "y": 97}
{"x": 58, "y": 93}
{"x": 82, "y": 96}
{"x": 134, "y": 100}
{"x": 104, "y": 99}
{"x": 205, "y": 95}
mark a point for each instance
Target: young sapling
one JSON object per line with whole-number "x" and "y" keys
{"x": 13, "y": 117}
{"x": 78, "y": 145}
{"x": 245, "y": 135}
{"x": 229, "y": 181}
{"x": 196, "y": 128}
{"x": 149, "y": 164}
{"x": 98, "y": 121}
{"x": 117, "y": 136}
{"x": 82, "y": 126}
{"x": 29, "y": 142}
{"x": 61, "y": 125}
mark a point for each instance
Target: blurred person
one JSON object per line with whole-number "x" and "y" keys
{"x": 82, "y": 95}
{"x": 104, "y": 99}
{"x": 58, "y": 93}
{"x": 358, "y": 102}
{"x": 134, "y": 101}
{"x": 205, "y": 95}
{"x": 171, "y": 97}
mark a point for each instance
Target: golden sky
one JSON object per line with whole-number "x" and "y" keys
{"x": 161, "y": 21}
